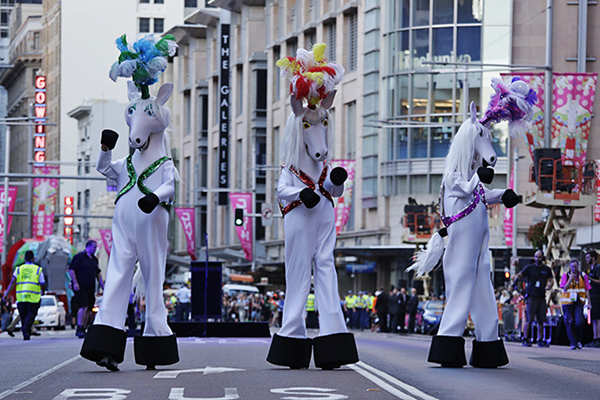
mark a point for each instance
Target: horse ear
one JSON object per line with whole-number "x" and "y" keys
{"x": 164, "y": 93}
{"x": 132, "y": 91}
{"x": 327, "y": 102}
{"x": 473, "y": 109}
{"x": 297, "y": 106}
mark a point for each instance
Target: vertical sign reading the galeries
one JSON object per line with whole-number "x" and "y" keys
{"x": 39, "y": 135}
{"x": 223, "y": 169}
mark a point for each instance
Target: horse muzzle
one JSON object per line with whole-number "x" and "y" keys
{"x": 137, "y": 143}
{"x": 491, "y": 163}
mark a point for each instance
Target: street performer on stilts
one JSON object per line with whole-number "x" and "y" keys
{"x": 306, "y": 188}
{"x": 463, "y": 207}
{"x": 146, "y": 183}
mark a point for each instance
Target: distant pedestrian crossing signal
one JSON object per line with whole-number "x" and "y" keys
{"x": 239, "y": 217}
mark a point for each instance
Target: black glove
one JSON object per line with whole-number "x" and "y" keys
{"x": 486, "y": 174}
{"x": 309, "y": 197}
{"x": 338, "y": 176}
{"x": 109, "y": 138}
{"x": 511, "y": 199}
{"x": 148, "y": 203}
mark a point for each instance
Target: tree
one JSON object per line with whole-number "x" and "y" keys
{"x": 535, "y": 235}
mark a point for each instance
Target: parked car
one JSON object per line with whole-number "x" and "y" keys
{"x": 432, "y": 315}
{"x": 233, "y": 289}
{"x": 51, "y": 313}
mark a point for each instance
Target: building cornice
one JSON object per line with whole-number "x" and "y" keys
{"x": 80, "y": 112}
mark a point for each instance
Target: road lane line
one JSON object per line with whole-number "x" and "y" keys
{"x": 36, "y": 378}
{"x": 411, "y": 389}
{"x": 381, "y": 383}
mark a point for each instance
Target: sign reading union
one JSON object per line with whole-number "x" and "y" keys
{"x": 224, "y": 114}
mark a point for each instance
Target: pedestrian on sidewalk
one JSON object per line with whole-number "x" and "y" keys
{"x": 591, "y": 259}
{"x": 402, "y": 300}
{"x": 381, "y": 306}
{"x": 30, "y": 282}
{"x": 183, "y": 307}
{"x": 84, "y": 272}
{"x": 412, "y": 304}
{"x": 393, "y": 308}
{"x": 539, "y": 279}
{"x": 5, "y": 313}
{"x": 575, "y": 286}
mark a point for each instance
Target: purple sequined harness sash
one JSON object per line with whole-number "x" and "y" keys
{"x": 478, "y": 195}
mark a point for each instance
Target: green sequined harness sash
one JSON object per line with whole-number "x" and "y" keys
{"x": 143, "y": 176}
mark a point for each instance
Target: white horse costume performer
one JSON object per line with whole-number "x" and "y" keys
{"x": 463, "y": 206}
{"x": 305, "y": 190}
{"x": 146, "y": 182}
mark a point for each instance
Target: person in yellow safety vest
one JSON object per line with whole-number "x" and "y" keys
{"x": 361, "y": 308}
{"x": 350, "y": 302}
{"x": 575, "y": 286}
{"x": 311, "y": 312}
{"x": 29, "y": 279}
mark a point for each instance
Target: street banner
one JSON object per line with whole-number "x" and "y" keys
{"x": 12, "y": 198}
{"x": 44, "y": 200}
{"x": 572, "y": 104}
{"x": 597, "y": 206}
{"x": 344, "y": 202}
{"x": 186, "y": 217}
{"x": 106, "y": 235}
{"x": 508, "y": 214}
{"x": 244, "y": 232}
{"x": 534, "y": 137}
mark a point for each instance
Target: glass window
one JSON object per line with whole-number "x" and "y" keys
{"x": 442, "y": 93}
{"x": 468, "y": 46}
{"x": 191, "y": 3}
{"x": 370, "y": 105}
{"x": 418, "y": 184}
{"x": 292, "y": 46}
{"x": 310, "y": 38}
{"x": 144, "y": 25}
{"x": 331, "y": 41}
{"x": 159, "y": 25}
{"x": 370, "y": 145}
{"x": 276, "y": 75}
{"x": 371, "y": 41}
{"x": 398, "y": 16}
{"x": 420, "y": 94}
{"x": 372, "y": 61}
{"x": 398, "y": 95}
{"x": 351, "y": 41}
{"x": 470, "y": 11}
{"x": 369, "y": 166}
{"x": 144, "y": 1}
{"x": 369, "y": 187}
{"x": 187, "y": 105}
{"x": 372, "y": 20}
{"x": 400, "y": 144}
{"x": 442, "y": 42}
{"x": 350, "y": 110}
{"x": 418, "y": 145}
{"x": 440, "y": 138}
{"x": 443, "y": 12}
{"x": 371, "y": 82}
{"x": 420, "y": 12}
{"x": 398, "y": 51}
{"x": 159, "y": 1}
{"x": 421, "y": 45}
{"x": 436, "y": 183}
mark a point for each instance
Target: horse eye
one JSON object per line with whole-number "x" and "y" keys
{"x": 306, "y": 124}
{"x": 131, "y": 110}
{"x": 150, "y": 113}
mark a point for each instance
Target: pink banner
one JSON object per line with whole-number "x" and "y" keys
{"x": 597, "y": 206}
{"x": 244, "y": 232}
{"x": 572, "y": 104}
{"x": 106, "y": 235}
{"x": 12, "y": 198}
{"x": 508, "y": 214}
{"x": 44, "y": 200}
{"x": 344, "y": 202}
{"x": 186, "y": 217}
{"x": 535, "y": 136}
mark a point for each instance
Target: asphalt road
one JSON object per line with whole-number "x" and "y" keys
{"x": 391, "y": 367}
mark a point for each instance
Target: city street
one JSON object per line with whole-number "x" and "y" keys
{"x": 391, "y": 367}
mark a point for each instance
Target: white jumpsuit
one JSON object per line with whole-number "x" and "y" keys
{"x": 466, "y": 263}
{"x": 309, "y": 236}
{"x": 137, "y": 236}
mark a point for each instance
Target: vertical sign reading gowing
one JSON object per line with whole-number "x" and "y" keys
{"x": 39, "y": 137}
{"x": 224, "y": 115}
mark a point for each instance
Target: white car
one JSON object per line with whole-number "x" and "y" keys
{"x": 51, "y": 313}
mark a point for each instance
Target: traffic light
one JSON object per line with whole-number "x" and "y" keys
{"x": 506, "y": 274}
{"x": 239, "y": 217}
{"x": 68, "y": 218}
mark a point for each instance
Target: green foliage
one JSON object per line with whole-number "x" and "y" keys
{"x": 535, "y": 235}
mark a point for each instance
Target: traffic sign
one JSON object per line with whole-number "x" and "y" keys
{"x": 266, "y": 211}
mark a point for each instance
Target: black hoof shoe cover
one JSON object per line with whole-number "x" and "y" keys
{"x": 333, "y": 351}
{"x": 290, "y": 352}
{"x": 155, "y": 350}
{"x": 488, "y": 354}
{"x": 338, "y": 176}
{"x": 103, "y": 341}
{"x": 309, "y": 197}
{"x": 486, "y": 174}
{"x": 108, "y": 363}
{"x": 510, "y": 198}
{"x": 449, "y": 351}
{"x": 148, "y": 203}
{"x": 109, "y": 138}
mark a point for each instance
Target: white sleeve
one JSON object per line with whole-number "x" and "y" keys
{"x": 334, "y": 190}
{"x": 166, "y": 191}
{"x": 106, "y": 166}
{"x": 462, "y": 187}
{"x": 286, "y": 190}
{"x": 493, "y": 196}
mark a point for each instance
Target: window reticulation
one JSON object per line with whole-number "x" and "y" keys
{"x": 144, "y": 25}
{"x": 159, "y": 25}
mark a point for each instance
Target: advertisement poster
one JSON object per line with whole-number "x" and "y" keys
{"x": 44, "y": 200}
{"x": 12, "y": 198}
{"x": 186, "y": 217}
{"x": 244, "y": 232}
{"x": 344, "y": 202}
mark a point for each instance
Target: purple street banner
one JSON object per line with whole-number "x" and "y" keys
{"x": 535, "y": 135}
{"x": 44, "y": 200}
{"x": 344, "y": 202}
{"x": 12, "y": 198}
{"x": 244, "y": 232}
{"x": 186, "y": 217}
{"x": 572, "y": 105}
{"x": 106, "y": 235}
{"x": 597, "y": 206}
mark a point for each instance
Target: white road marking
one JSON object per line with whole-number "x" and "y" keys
{"x": 410, "y": 389}
{"x": 382, "y": 384}
{"x": 94, "y": 393}
{"x": 205, "y": 371}
{"x": 177, "y": 393}
{"x": 36, "y": 378}
{"x": 320, "y": 393}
